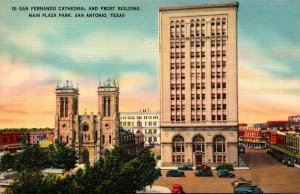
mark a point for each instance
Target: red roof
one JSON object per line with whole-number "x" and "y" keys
{"x": 277, "y": 122}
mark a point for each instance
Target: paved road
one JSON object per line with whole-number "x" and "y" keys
{"x": 265, "y": 172}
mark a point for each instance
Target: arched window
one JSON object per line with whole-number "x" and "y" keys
{"x": 104, "y": 106}
{"x": 60, "y": 138}
{"x": 198, "y": 144}
{"x": 109, "y": 139}
{"x": 223, "y": 21}
{"x": 108, "y": 107}
{"x": 213, "y": 22}
{"x": 61, "y": 102}
{"x": 74, "y": 136}
{"x": 66, "y": 107}
{"x": 103, "y": 139}
{"x": 197, "y": 22}
{"x": 219, "y": 148}
{"x": 178, "y": 149}
{"x": 67, "y": 139}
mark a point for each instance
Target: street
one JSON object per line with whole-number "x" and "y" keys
{"x": 265, "y": 172}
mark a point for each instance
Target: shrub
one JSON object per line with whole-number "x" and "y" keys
{"x": 225, "y": 166}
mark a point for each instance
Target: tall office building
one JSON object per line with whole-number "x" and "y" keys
{"x": 198, "y": 84}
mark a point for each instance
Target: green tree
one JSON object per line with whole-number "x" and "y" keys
{"x": 7, "y": 162}
{"x": 33, "y": 158}
{"x": 115, "y": 173}
{"x": 27, "y": 182}
{"x": 62, "y": 156}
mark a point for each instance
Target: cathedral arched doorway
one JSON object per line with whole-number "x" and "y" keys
{"x": 85, "y": 156}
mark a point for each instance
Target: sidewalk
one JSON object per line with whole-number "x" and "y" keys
{"x": 158, "y": 165}
{"x": 155, "y": 189}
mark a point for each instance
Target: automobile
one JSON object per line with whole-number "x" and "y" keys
{"x": 177, "y": 189}
{"x": 240, "y": 181}
{"x": 225, "y": 166}
{"x": 270, "y": 152}
{"x": 225, "y": 174}
{"x": 241, "y": 149}
{"x": 279, "y": 158}
{"x": 185, "y": 167}
{"x": 290, "y": 164}
{"x": 284, "y": 161}
{"x": 174, "y": 173}
{"x": 203, "y": 173}
{"x": 248, "y": 189}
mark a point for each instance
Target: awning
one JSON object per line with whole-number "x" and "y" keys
{"x": 281, "y": 149}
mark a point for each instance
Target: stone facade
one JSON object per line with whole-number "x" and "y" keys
{"x": 91, "y": 135}
{"x": 198, "y": 84}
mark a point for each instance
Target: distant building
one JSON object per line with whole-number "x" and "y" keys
{"x": 286, "y": 146}
{"x": 254, "y": 135}
{"x": 91, "y": 134}
{"x": 10, "y": 141}
{"x": 40, "y": 137}
{"x": 278, "y": 125}
{"x": 294, "y": 122}
{"x": 145, "y": 121}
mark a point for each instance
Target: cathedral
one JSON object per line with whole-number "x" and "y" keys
{"x": 91, "y": 135}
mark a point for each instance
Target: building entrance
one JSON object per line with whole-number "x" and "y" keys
{"x": 198, "y": 159}
{"x": 85, "y": 156}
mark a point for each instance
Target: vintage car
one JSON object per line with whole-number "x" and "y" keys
{"x": 203, "y": 173}
{"x": 240, "y": 181}
{"x": 177, "y": 189}
{"x": 185, "y": 167}
{"x": 225, "y": 174}
{"x": 248, "y": 189}
{"x": 174, "y": 173}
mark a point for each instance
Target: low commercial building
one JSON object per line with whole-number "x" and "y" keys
{"x": 42, "y": 138}
{"x": 286, "y": 146}
{"x": 254, "y": 136}
{"x": 293, "y": 145}
{"x": 10, "y": 141}
{"x": 132, "y": 143}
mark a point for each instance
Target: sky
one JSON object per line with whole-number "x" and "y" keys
{"x": 35, "y": 53}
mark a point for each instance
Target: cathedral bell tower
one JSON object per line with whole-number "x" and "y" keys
{"x": 66, "y": 109}
{"x": 108, "y": 106}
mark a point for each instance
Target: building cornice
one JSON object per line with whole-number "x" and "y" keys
{"x": 199, "y": 6}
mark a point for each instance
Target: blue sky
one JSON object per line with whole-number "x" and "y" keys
{"x": 36, "y": 52}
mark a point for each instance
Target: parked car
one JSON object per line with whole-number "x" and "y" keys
{"x": 203, "y": 173}
{"x": 177, "y": 189}
{"x": 225, "y": 166}
{"x": 225, "y": 174}
{"x": 174, "y": 173}
{"x": 248, "y": 189}
{"x": 185, "y": 167}
{"x": 290, "y": 164}
{"x": 240, "y": 181}
{"x": 279, "y": 158}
